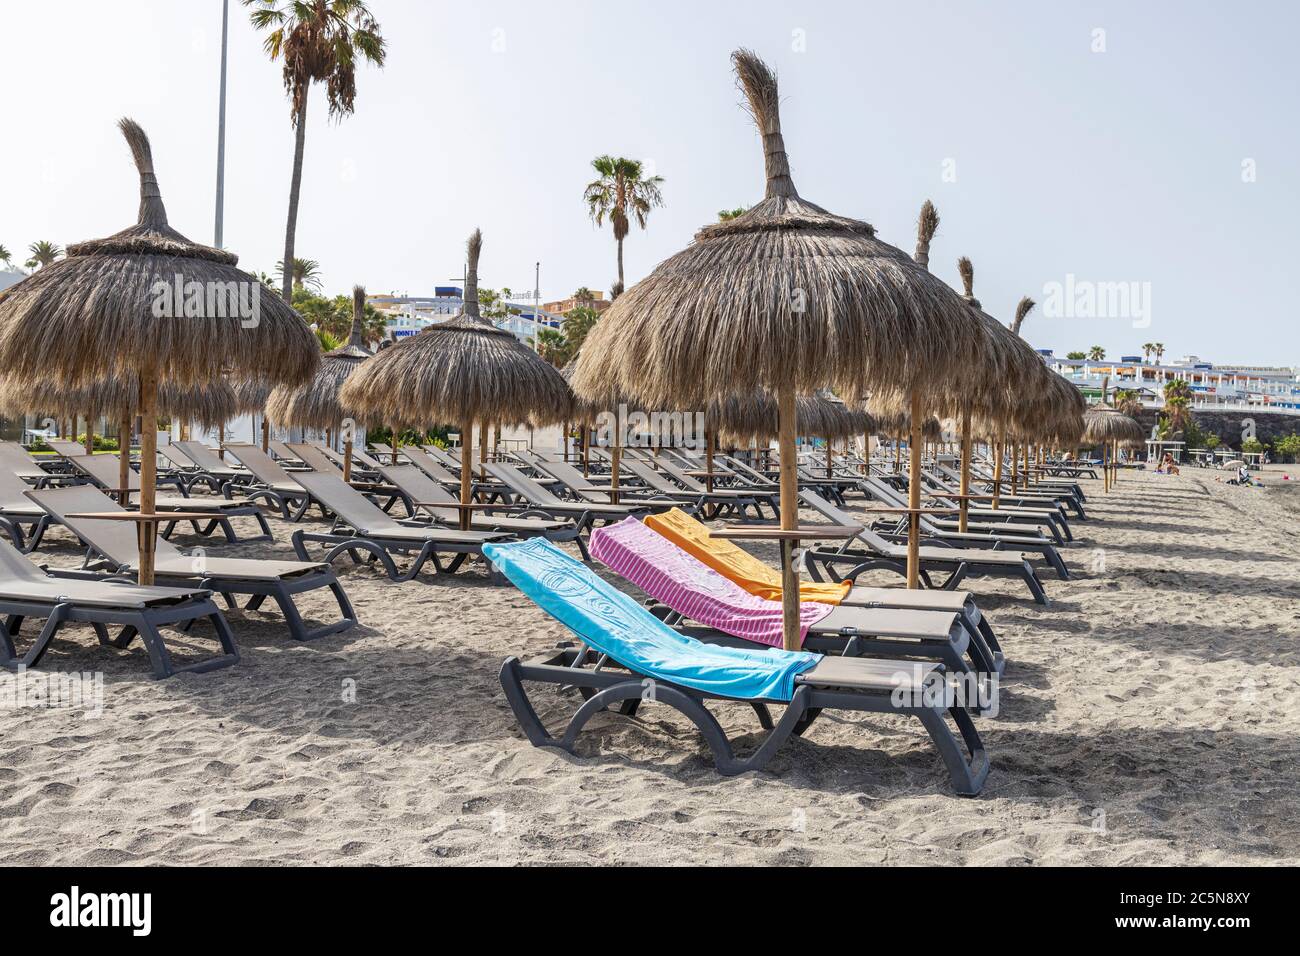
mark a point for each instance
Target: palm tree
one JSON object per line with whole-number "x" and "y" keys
{"x": 1159, "y": 349}
{"x": 1147, "y": 350}
{"x": 619, "y": 191}
{"x": 305, "y": 275}
{"x": 43, "y": 253}
{"x": 584, "y": 296}
{"x": 1096, "y": 353}
{"x": 1178, "y": 400}
{"x": 726, "y": 215}
{"x": 577, "y": 325}
{"x": 328, "y": 342}
{"x": 5, "y": 256}
{"x": 1128, "y": 402}
{"x": 320, "y": 41}
{"x": 1023, "y": 309}
{"x": 553, "y": 347}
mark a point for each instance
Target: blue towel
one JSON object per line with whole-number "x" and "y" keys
{"x": 613, "y": 623}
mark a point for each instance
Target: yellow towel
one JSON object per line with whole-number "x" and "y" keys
{"x": 734, "y": 562}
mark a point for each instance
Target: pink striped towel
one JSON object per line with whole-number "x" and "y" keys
{"x": 687, "y": 585}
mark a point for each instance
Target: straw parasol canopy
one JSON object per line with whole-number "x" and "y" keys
{"x": 149, "y": 302}
{"x": 316, "y": 404}
{"x": 1101, "y": 425}
{"x": 786, "y": 296}
{"x": 464, "y": 371}
{"x": 740, "y": 419}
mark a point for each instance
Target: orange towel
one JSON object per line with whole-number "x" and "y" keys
{"x": 734, "y": 562}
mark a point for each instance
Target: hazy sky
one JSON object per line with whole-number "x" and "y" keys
{"x": 1162, "y": 152}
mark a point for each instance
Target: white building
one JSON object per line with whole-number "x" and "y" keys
{"x": 408, "y": 315}
{"x": 1211, "y": 384}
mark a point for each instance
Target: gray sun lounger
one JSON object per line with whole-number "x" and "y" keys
{"x": 14, "y": 458}
{"x": 427, "y": 497}
{"x": 1004, "y": 520}
{"x": 275, "y": 486}
{"x": 858, "y": 684}
{"x": 112, "y": 546}
{"x": 66, "y": 449}
{"x": 883, "y": 554}
{"x": 952, "y": 479}
{"x": 209, "y": 467}
{"x": 103, "y": 471}
{"x": 72, "y": 597}
{"x": 996, "y": 537}
{"x": 361, "y": 525}
{"x": 24, "y": 521}
{"x": 585, "y": 514}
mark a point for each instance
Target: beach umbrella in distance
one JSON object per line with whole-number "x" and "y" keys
{"x": 753, "y": 416}
{"x": 1107, "y": 427}
{"x": 316, "y": 404}
{"x": 209, "y": 403}
{"x": 789, "y": 298}
{"x": 149, "y": 302}
{"x": 251, "y": 395}
{"x": 462, "y": 371}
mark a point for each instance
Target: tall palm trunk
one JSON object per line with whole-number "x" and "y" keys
{"x": 621, "y": 283}
{"x": 295, "y": 186}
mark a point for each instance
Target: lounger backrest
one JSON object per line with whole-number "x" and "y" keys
{"x": 413, "y": 482}
{"x": 359, "y": 454}
{"x": 869, "y": 537}
{"x": 203, "y": 456}
{"x": 350, "y": 505}
{"x": 104, "y": 471}
{"x": 381, "y": 449}
{"x": 15, "y": 566}
{"x": 565, "y": 473}
{"x": 281, "y": 450}
{"x": 260, "y": 464}
{"x": 177, "y": 457}
{"x": 689, "y": 481}
{"x": 613, "y": 623}
{"x": 442, "y": 455}
{"x": 313, "y": 457}
{"x": 690, "y": 587}
{"x": 67, "y": 449}
{"x": 13, "y": 490}
{"x": 15, "y": 458}
{"x": 651, "y": 477}
{"x": 430, "y": 466}
{"x": 115, "y": 539}
{"x": 521, "y": 484}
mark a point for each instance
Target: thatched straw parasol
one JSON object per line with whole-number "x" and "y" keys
{"x": 754, "y": 417}
{"x": 1110, "y": 428}
{"x": 316, "y": 404}
{"x": 463, "y": 371}
{"x": 789, "y": 298}
{"x": 149, "y": 302}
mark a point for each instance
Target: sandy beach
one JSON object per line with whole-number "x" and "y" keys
{"x": 1149, "y": 716}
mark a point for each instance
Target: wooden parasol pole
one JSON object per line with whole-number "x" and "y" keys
{"x": 148, "y": 473}
{"x": 710, "y": 440}
{"x": 615, "y": 455}
{"x": 124, "y": 460}
{"x": 466, "y": 471}
{"x": 266, "y": 433}
{"x": 396, "y": 439}
{"x": 347, "y": 456}
{"x": 914, "y": 497}
{"x": 90, "y": 433}
{"x": 964, "y": 487}
{"x": 997, "y": 474}
{"x": 789, "y": 484}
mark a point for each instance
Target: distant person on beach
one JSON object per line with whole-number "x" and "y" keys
{"x": 1168, "y": 466}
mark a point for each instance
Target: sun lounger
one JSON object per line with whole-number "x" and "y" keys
{"x": 275, "y": 486}
{"x": 21, "y": 519}
{"x": 1004, "y": 520}
{"x": 695, "y": 592}
{"x": 629, "y": 657}
{"x": 361, "y": 525}
{"x": 709, "y": 505}
{"x": 114, "y": 542}
{"x": 70, "y": 597}
{"x": 752, "y": 575}
{"x": 879, "y": 553}
{"x": 429, "y": 498}
{"x": 103, "y": 470}
{"x": 66, "y": 449}
{"x": 585, "y": 514}
{"x": 14, "y": 458}
{"x": 952, "y": 480}
{"x": 981, "y": 536}
{"x": 209, "y": 465}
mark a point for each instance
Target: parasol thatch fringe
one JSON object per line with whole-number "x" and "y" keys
{"x": 211, "y": 404}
